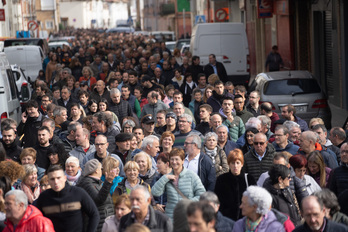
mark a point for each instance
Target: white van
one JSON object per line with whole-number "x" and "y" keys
{"x": 228, "y": 41}
{"x": 28, "y": 57}
{"x": 9, "y": 97}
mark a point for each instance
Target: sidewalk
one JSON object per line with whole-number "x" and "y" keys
{"x": 338, "y": 116}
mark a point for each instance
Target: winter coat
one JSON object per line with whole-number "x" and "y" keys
{"x": 158, "y": 222}
{"x": 79, "y": 153}
{"x": 244, "y": 115}
{"x": 284, "y": 219}
{"x": 122, "y": 109}
{"x": 270, "y": 223}
{"x": 229, "y": 189}
{"x": 28, "y": 129}
{"x": 149, "y": 176}
{"x": 68, "y": 104}
{"x": 221, "y": 71}
{"x": 290, "y": 147}
{"x": 110, "y": 135}
{"x": 236, "y": 128}
{"x": 186, "y": 90}
{"x": 338, "y": 181}
{"x": 99, "y": 192}
{"x": 32, "y": 221}
{"x": 329, "y": 227}
{"x": 153, "y": 109}
{"x": 206, "y": 172}
{"x": 188, "y": 183}
{"x": 13, "y": 151}
{"x": 121, "y": 188}
{"x": 254, "y": 166}
{"x": 221, "y": 165}
{"x": 96, "y": 96}
{"x": 223, "y": 224}
{"x": 111, "y": 224}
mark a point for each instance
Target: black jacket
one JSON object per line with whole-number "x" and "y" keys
{"x": 338, "y": 180}
{"x": 13, "y": 151}
{"x": 330, "y": 227}
{"x": 42, "y": 159}
{"x": 100, "y": 194}
{"x": 95, "y": 95}
{"x": 66, "y": 209}
{"x": 68, "y": 104}
{"x": 223, "y": 224}
{"x": 195, "y": 70}
{"x": 110, "y": 135}
{"x": 122, "y": 109}
{"x": 221, "y": 71}
{"x": 29, "y": 131}
{"x": 158, "y": 222}
{"x": 229, "y": 188}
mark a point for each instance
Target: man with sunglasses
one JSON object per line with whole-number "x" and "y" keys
{"x": 260, "y": 157}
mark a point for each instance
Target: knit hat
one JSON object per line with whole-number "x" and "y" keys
{"x": 172, "y": 115}
{"x": 123, "y": 137}
{"x": 90, "y": 167}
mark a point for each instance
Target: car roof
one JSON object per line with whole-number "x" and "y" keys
{"x": 291, "y": 74}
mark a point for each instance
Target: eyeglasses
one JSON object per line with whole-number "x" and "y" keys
{"x": 99, "y": 144}
{"x": 344, "y": 151}
{"x": 277, "y": 135}
{"x": 182, "y": 121}
{"x": 259, "y": 143}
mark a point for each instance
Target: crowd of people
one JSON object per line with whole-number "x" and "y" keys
{"x": 123, "y": 135}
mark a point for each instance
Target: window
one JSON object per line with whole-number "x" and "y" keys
{"x": 48, "y": 5}
{"x": 49, "y": 24}
{"x": 13, "y": 87}
{"x": 291, "y": 86}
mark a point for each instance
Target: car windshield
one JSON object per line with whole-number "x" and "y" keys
{"x": 291, "y": 87}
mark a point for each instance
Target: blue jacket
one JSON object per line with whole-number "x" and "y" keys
{"x": 302, "y": 123}
{"x": 223, "y": 224}
{"x": 229, "y": 146}
{"x": 206, "y": 172}
{"x": 291, "y": 148}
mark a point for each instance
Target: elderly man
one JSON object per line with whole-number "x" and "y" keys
{"x": 119, "y": 106}
{"x": 282, "y": 142}
{"x": 265, "y": 125}
{"x": 100, "y": 91}
{"x": 260, "y": 157}
{"x": 84, "y": 148}
{"x": 308, "y": 143}
{"x": 313, "y": 212}
{"x": 288, "y": 113}
{"x": 148, "y": 125}
{"x": 338, "y": 181}
{"x": 143, "y": 213}
{"x": 198, "y": 162}
{"x": 102, "y": 125}
{"x": 150, "y": 146}
{"x": 223, "y": 141}
{"x": 201, "y": 217}
{"x": 66, "y": 100}
{"x": 178, "y": 97}
{"x": 338, "y": 136}
{"x": 266, "y": 109}
{"x": 223, "y": 224}
{"x": 23, "y": 217}
{"x": 294, "y": 131}
{"x": 67, "y": 210}
{"x": 68, "y": 138}
{"x": 154, "y": 105}
{"x": 101, "y": 146}
{"x": 253, "y": 105}
{"x": 185, "y": 129}
{"x": 60, "y": 115}
{"x": 215, "y": 121}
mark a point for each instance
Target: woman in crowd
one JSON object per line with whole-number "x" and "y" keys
{"x": 111, "y": 164}
{"x": 92, "y": 107}
{"x": 51, "y": 67}
{"x": 127, "y": 126}
{"x": 315, "y": 121}
{"x": 187, "y": 88}
{"x": 76, "y": 68}
{"x": 208, "y": 92}
{"x": 44, "y": 184}
{"x": 146, "y": 172}
{"x": 122, "y": 207}
{"x": 103, "y": 105}
{"x": 30, "y": 185}
{"x": 132, "y": 179}
{"x": 180, "y": 183}
{"x": 5, "y": 186}
{"x": 133, "y": 144}
{"x": 215, "y": 153}
{"x": 230, "y": 186}
{"x": 284, "y": 198}
{"x": 163, "y": 168}
{"x": 331, "y": 206}
{"x": 97, "y": 190}
{"x": 169, "y": 89}
{"x": 76, "y": 114}
{"x": 72, "y": 170}
{"x": 28, "y": 156}
{"x": 178, "y": 79}
{"x": 299, "y": 164}
{"x": 249, "y": 139}
{"x": 256, "y": 204}
{"x": 57, "y": 155}
{"x": 167, "y": 141}
{"x": 177, "y": 56}
{"x": 317, "y": 168}
{"x": 87, "y": 76}
{"x": 70, "y": 83}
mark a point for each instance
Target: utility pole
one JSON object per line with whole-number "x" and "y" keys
{"x": 184, "y": 22}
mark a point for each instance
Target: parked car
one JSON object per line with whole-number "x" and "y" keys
{"x": 184, "y": 48}
{"x": 9, "y": 100}
{"x": 163, "y": 35}
{"x": 181, "y": 42}
{"x": 299, "y": 88}
{"x": 120, "y": 30}
{"x": 28, "y": 41}
{"x": 23, "y": 84}
{"x": 55, "y": 45}
{"x": 171, "y": 45}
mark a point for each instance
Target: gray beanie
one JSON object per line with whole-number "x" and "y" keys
{"x": 90, "y": 167}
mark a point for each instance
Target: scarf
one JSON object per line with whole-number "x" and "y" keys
{"x": 32, "y": 196}
{"x": 211, "y": 153}
{"x": 252, "y": 226}
{"x": 72, "y": 180}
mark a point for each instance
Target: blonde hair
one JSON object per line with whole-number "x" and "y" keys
{"x": 147, "y": 157}
{"x": 109, "y": 163}
{"x": 131, "y": 165}
{"x": 28, "y": 170}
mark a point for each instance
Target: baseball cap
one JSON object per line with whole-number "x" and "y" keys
{"x": 172, "y": 115}
{"x": 147, "y": 119}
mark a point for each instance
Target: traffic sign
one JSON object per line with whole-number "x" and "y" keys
{"x": 221, "y": 15}
{"x": 2, "y": 14}
{"x": 200, "y": 19}
{"x": 32, "y": 25}
{"x": 130, "y": 21}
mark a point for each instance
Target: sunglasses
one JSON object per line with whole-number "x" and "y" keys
{"x": 259, "y": 143}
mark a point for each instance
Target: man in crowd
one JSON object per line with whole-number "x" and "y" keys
{"x": 201, "y": 217}
{"x": 69, "y": 138}
{"x": 195, "y": 68}
{"x": 265, "y": 125}
{"x": 339, "y": 176}
{"x": 282, "y": 142}
{"x": 338, "y": 136}
{"x": 100, "y": 92}
{"x": 42, "y": 147}
{"x": 148, "y": 85}
{"x": 143, "y": 213}
{"x": 132, "y": 100}
{"x": 123, "y": 146}
{"x": 160, "y": 125}
{"x": 10, "y": 143}
{"x": 60, "y": 115}
{"x": 223, "y": 141}
{"x": 185, "y": 129}
{"x": 139, "y": 134}
{"x": 266, "y": 109}
{"x": 178, "y": 97}
{"x": 215, "y": 67}
{"x": 118, "y": 106}
{"x": 198, "y": 162}
{"x": 150, "y": 146}
{"x": 204, "y": 113}
{"x": 289, "y": 113}
{"x": 240, "y": 109}
{"x": 67, "y": 211}
{"x": 66, "y": 99}
{"x": 253, "y": 106}
{"x": 46, "y": 100}
{"x": 215, "y": 101}
{"x": 148, "y": 125}
{"x": 83, "y": 147}
{"x": 153, "y": 106}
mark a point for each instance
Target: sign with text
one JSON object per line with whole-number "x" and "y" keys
{"x": 264, "y": 8}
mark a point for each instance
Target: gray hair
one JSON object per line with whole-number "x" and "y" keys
{"x": 187, "y": 116}
{"x": 260, "y": 197}
{"x": 115, "y": 91}
{"x": 51, "y": 122}
{"x": 144, "y": 189}
{"x": 208, "y": 135}
{"x": 28, "y": 169}
{"x": 179, "y": 103}
{"x": 253, "y": 122}
{"x": 265, "y": 120}
{"x": 68, "y": 70}
{"x": 211, "y": 197}
{"x": 148, "y": 140}
{"x": 222, "y": 126}
{"x": 129, "y": 122}
{"x": 72, "y": 126}
{"x": 58, "y": 110}
{"x": 73, "y": 159}
{"x": 311, "y": 136}
{"x": 20, "y": 197}
{"x": 196, "y": 140}
{"x": 290, "y": 125}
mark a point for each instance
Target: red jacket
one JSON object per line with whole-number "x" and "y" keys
{"x": 32, "y": 221}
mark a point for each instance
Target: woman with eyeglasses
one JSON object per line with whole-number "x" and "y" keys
{"x": 284, "y": 198}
